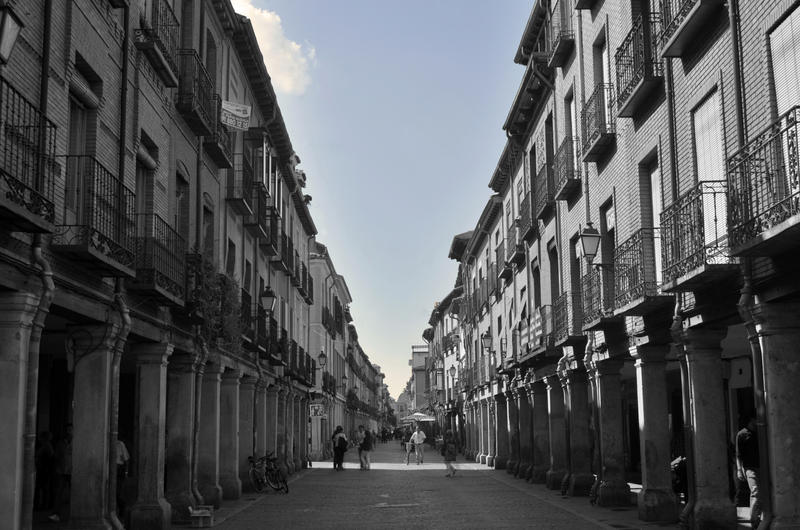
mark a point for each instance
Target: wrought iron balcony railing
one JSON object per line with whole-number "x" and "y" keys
{"x": 563, "y": 39}
{"x": 310, "y": 295}
{"x": 160, "y": 260}
{"x": 527, "y": 224}
{"x": 683, "y": 21}
{"x": 637, "y": 274}
{"x": 98, "y": 226}
{"x": 158, "y": 39}
{"x": 695, "y": 237}
{"x": 248, "y": 320}
{"x": 503, "y": 268}
{"x": 598, "y": 122}
{"x": 567, "y": 317}
{"x": 239, "y": 191}
{"x": 515, "y": 251}
{"x": 597, "y": 293}
{"x": 194, "y": 98}
{"x": 28, "y": 167}
{"x": 764, "y": 190}
{"x": 541, "y": 332}
{"x": 296, "y": 277}
{"x": 218, "y": 143}
{"x": 544, "y": 192}
{"x": 567, "y": 169}
{"x": 639, "y": 67}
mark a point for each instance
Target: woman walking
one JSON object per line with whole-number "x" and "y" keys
{"x": 449, "y": 451}
{"x": 339, "y": 440}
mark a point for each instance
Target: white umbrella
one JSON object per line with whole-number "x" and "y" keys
{"x": 417, "y": 416}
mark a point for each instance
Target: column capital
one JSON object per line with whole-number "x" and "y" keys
{"x": 650, "y": 353}
{"x": 18, "y": 308}
{"x": 552, "y": 381}
{"x": 186, "y": 363}
{"x": 83, "y": 341}
{"x": 248, "y": 380}
{"x": 610, "y": 366}
{"x": 539, "y": 386}
{"x": 500, "y": 397}
{"x": 231, "y": 377}
{"x": 152, "y": 352}
{"x": 776, "y": 317}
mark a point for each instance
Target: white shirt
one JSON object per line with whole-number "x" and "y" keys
{"x": 418, "y": 437}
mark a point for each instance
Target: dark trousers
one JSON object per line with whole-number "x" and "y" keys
{"x": 338, "y": 458}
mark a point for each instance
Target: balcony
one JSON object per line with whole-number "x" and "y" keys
{"x": 567, "y": 169}
{"x": 249, "y": 321}
{"x": 257, "y": 223}
{"x": 568, "y": 319}
{"x": 504, "y": 268}
{"x": 541, "y": 338}
{"x": 639, "y": 68}
{"x": 684, "y": 20}
{"x": 310, "y": 291}
{"x": 194, "y": 98}
{"x": 160, "y": 261}
{"x": 240, "y": 194}
{"x": 527, "y": 226}
{"x": 297, "y": 279}
{"x": 218, "y": 144}
{"x": 764, "y": 191}
{"x": 270, "y": 239}
{"x": 98, "y": 228}
{"x": 585, "y": 4}
{"x": 695, "y": 238}
{"x": 637, "y": 274}
{"x": 597, "y": 123}
{"x": 302, "y": 285}
{"x": 544, "y": 192}
{"x": 515, "y": 251}
{"x": 597, "y": 293}
{"x": 28, "y": 169}
{"x": 283, "y": 347}
{"x": 288, "y": 255}
{"x": 158, "y": 41}
{"x": 563, "y": 41}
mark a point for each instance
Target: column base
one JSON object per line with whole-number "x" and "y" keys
{"x": 180, "y": 503}
{"x": 490, "y": 460}
{"x": 613, "y": 493}
{"x": 580, "y": 484}
{"x": 657, "y": 505}
{"x": 511, "y": 467}
{"x": 719, "y": 514}
{"x": 500, "y": 462}
{"x": 482, "y": 458}
{"x": 212, "y": 494}
{"x": 231, "y": 487}
{"x": 553, "y": 479}
{"x": 522, "y": 470}
{"x": 538, "y": 475}
{"x": 152, "y": 515}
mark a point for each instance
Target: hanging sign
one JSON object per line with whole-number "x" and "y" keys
{"x": 235, "y": 115}
{"x": 316, "y": 409}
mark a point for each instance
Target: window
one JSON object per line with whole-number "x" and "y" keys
{"x": 708, "y": 147}
{"x": 230, "y": 259}
{"x": 552, "y": 254}
{"x": 78, "y": 132}
{"x": 607, "y": 233}
{"x": 182, "y": 207}
{"x": 537, "y": 286}
{"x": 208, "y": 231}
{"x": 785, "y": 54}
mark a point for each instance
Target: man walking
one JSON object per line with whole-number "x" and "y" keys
{"x": 747, "y": 466}
{"x": 418, "y": 438}
{"x": 364, "y": 447}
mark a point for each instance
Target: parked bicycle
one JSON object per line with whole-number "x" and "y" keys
{"x": 265, "y": 471}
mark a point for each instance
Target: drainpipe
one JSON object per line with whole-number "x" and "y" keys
{"x": 119, "y": 346}
{"x": 45, "y": 299}
{"x": 687, "y": 514}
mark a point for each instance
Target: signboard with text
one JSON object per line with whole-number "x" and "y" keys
{"x": 316, "y": 409}
{"x": 235, "y": 115}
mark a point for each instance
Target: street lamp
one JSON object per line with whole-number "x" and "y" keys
{"x": 590, "y": 241}
{"x": 344, "y": 382}
{"x": 10, "y": 26}
{"x": 268, "y": 299}
{"x": 322, "y": 359}
{"x": 486, "y": 341}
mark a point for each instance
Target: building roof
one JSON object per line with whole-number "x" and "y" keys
{"x": 510, "y": 160}
{"x": 487, "y": 219}
{"x": 527, "y": 43}
{"x": 459, "y": 244}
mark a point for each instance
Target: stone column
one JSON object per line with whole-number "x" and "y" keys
{"x": 501, "y": 430}
{"x": 180, "y": 425}
{"x": 280, "y": 438}
{"x": 712, "y": 507}
{"x": 290, "y": 424}
{"x": 209, "y": 434}
{"x": 557, "y": 434}
{"x": 480, "y": 414}
{"x": 272, "y": 419}
{"x": 613, "y": 489}
{"x": 17, "y": 312}
{"x": 94, "y": 348}
{"x": 778, "y": 328}
{"x": 151, "y": 509}
{"x": 513, "y": 430}
{"x": 490, "y": 438}
{"x": 656, "y": 501}
{"x": 541, "y": 433}
{"x": 580, "y": 441}
{"x": 229, "y": 435}
{"x": 247, "y": 396}
{"x": 467, "y": 430}
{"x": 305, "y": 433}
{"x": 525, "y": 449}
{"x": 261, "y": 418}
{"x": 298, "y": 440}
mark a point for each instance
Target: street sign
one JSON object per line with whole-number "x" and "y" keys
{"x": 316, "y": 409}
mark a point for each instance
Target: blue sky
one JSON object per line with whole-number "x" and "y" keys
{"x": 396, "y": 111}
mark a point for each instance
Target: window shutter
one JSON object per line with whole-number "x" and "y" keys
{"x": 785, "y": 56}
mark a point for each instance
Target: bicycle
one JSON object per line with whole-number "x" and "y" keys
{"x": 265, "y": 471}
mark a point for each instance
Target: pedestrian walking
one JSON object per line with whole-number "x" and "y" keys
{"x": 418, "y": 439}
{"x": 339, "y": 441}
{"x": 408, "y": 444}
{"x": 449, "y": 451}
{"x": 359, "y": 437}
{"x": 364, "y": 447}
{"x": 747, "y": 463}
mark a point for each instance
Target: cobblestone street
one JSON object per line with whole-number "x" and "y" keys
{"x": 395, "y": 495}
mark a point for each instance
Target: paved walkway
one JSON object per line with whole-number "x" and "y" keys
{"x": 395, "y": 495}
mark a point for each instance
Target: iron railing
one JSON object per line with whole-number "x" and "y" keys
{"x": 562, "y": 36}
{"x": 511, "y": 239}
{"x": 218, "y": 143}
{"x": 98, "y": 211}
{"x": 160, "y": 255}
{"x": 541, "y": 332}
{"x": 694, "y": 230}
{"x": 636, "y": 268}
{"x": 764, "y": 180}
{"x": 673, "y": 13}
{"x": 597, "y": 293}
{"x": 240, "y": 182}
{"x": 163, "y": 30}
{"x": 543, "y": 191}
{"x": 637, "y": 58}
{"x": 566, "y": 168}
{"x": 28, "y": 167}
{"x": 567, "y": 315}
{"x": 246, "y": 315}
{"x": 597, "y": 116}
{"x": 525, "y": 216}
{"x": 195, "y": 94}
